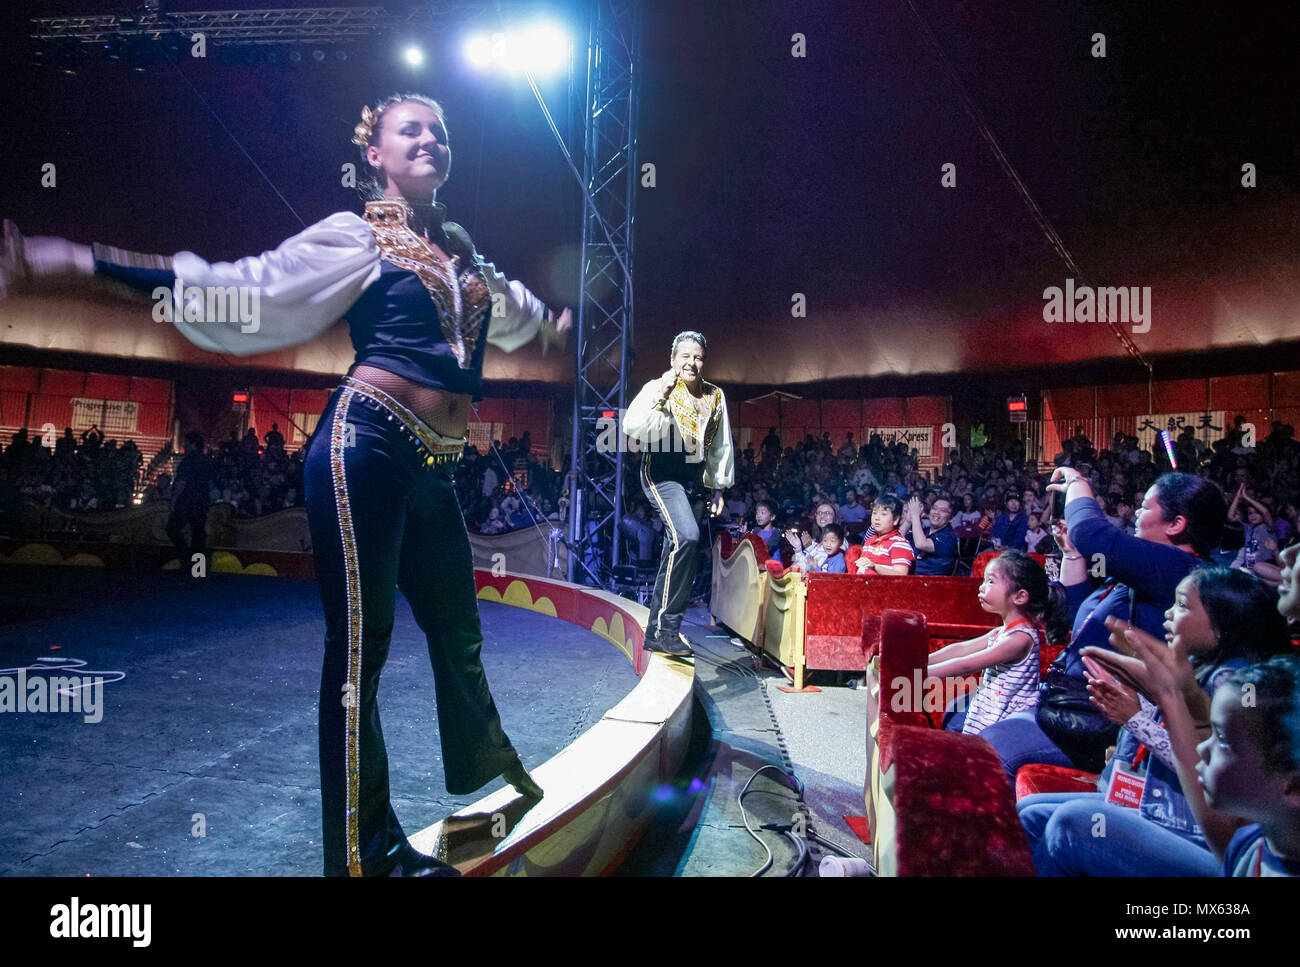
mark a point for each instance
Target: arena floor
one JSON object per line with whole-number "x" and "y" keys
{"x": 204, "y": 760}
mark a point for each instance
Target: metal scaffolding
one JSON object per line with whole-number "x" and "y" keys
{"x": 605, "y": 319}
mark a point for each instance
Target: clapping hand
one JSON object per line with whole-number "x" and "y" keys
{"x": 1117, "y": 702}
{"x": 1147, "y": 664}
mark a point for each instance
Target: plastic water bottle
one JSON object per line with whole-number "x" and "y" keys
{"x": 1252, "y": 551}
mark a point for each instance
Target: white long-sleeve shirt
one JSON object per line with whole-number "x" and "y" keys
{"x": 648, "y": 420}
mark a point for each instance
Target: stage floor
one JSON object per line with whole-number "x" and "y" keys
{"x": 205, "y": 760}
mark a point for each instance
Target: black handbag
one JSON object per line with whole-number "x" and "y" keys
{"x": 1067, "y": 716}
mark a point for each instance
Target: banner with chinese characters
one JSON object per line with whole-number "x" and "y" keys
{"x": 918, "y": 438}
{"x": 1209, "y": 427}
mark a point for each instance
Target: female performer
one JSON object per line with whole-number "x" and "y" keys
{"x": 682, "y": 423}
{"x": 381, "y": 503}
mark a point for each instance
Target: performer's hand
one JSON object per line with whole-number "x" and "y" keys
{"x": 564, "y": 321}
{"x": 667, "y": 382}
{"x": 716, "y": 504}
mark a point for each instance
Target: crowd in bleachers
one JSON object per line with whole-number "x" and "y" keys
{"x": 508, "y": 488}
{"x": 501, "y": 490}
{"x": 992, "y": 498}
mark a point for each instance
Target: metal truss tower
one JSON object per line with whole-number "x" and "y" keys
{"x": 605, "y": 316}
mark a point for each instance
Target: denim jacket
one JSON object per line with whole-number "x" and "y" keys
{"x": 1162, "y": 800}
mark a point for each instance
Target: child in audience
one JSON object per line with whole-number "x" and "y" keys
{"x": 1035, "y": 535}
{"x": 826, "y": 555}
{"x": 765, "y": 528}
{"x": 831, "y": 558}
{"x": 1220, "y": 621}
{"x": 885, "y": 551}
{"x": 1015, "y": 588}
{"x": 1248, "y": 768}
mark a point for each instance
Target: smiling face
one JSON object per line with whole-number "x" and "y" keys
{"x": 825, "y": 515}
{"x": 688, "y": 360}
{"x": 940, "y": 514}
{"x": 411, "y": 150}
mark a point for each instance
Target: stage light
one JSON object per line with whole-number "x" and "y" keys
{"x": 542, "y": 48}
{"x": 479, "y": 50}
{"x": 413, "y": 55}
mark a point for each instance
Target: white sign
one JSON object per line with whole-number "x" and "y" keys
{"x": 918, "y": 438}
{"x": 111, "y": 416}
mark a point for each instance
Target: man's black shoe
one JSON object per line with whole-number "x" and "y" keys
{"x": 670, "y": 644}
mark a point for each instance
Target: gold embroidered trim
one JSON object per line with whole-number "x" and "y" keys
{"x": 681, "y": 406}
{"x": 461, "y": 297}
{"x": 352, "y": 580}
{"x": 438, "y": 448}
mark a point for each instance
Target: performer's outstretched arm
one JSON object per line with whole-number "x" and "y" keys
{"x": 286, "y": 296}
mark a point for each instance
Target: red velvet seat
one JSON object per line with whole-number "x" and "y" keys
{"x": 1037, "y": 777}
{"x": 938, "y": 802}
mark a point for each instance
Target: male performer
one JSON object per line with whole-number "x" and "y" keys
{"x": 682, "y": 423}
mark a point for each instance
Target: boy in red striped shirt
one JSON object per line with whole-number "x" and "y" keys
{"x": 885, "y": 550}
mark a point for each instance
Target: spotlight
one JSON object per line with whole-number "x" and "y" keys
{"x": 318, "y": 55}
{"x": 479, "y": 50}
{"x": 413, "y": 55}
{"x": 542, "y": 48}
{"x": 295, "y": 56}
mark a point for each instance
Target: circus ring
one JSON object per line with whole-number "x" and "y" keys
{"x": 600, "y": 790}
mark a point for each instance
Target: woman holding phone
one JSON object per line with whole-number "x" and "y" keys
{"x": 1107, "y": 572}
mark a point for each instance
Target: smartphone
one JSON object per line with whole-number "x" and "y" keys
{"x": 1057, "y": 511}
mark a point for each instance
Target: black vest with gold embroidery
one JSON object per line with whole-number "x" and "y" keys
{"x": 682, "y": 454}
{"x": 423, "y": 318}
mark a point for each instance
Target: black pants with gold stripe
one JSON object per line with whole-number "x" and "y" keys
{"x": 679, "y": 562}
{"x": 383, "y": 516}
